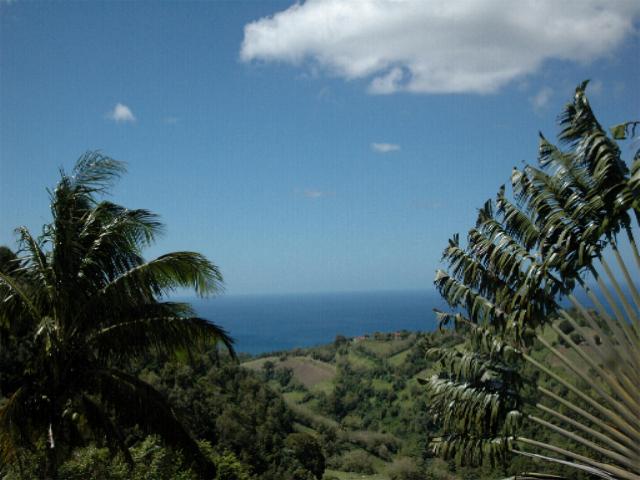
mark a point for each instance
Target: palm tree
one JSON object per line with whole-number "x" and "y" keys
{"x": 90, "y": 303}
{"x": 558, "y": 237}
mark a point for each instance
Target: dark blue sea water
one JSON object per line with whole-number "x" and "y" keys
{"x": 266, "y": 323}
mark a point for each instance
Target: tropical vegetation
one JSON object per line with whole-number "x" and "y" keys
{"x": 361, "y": 399}
{"x": 533, "y": 375}
{"x": 536, "y": 274}
{"x": 78, "y": 304}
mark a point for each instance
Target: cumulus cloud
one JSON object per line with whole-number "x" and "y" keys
{"x": 121, "y": 114}
{"x": 438, "y": 46}
{"x": 384, "y": 147}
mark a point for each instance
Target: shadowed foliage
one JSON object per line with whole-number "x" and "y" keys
{"x": 79, "y": 301}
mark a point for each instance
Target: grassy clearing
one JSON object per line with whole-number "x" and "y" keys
{"x": 309, "y": 371}
{"x": 369, "y": 440}
{"x": 399, "y": 358}
{"x": 306, "y": 416}
{"x": 306, "y": 370}
{"x": 324, "y": 387}
{"x": 259, "y": 362}
{"x": 358, "y": 361}
{"x": 386, "y": 348}
{"x": 353, "y": 476}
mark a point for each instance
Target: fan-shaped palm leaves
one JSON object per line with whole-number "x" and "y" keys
{"x": 89, "y": 302}
{"x": 566, "y": 222}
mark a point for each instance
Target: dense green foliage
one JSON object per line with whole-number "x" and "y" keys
{"x": 151, "y": 458}
{"x": 232, "y": 408}
{"x": 246, "y": 428}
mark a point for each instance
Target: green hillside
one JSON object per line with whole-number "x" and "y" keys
{"x": 360, "y": 398}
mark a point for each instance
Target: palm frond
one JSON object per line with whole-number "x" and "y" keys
{"x": 95, "y": 172}
{"x": 15, "y": 289}
{"x": 166, "y": 335}
{"x": 36, "y": 258}
{"x": 165, "y": 274}
{"x": 109, "y": 226}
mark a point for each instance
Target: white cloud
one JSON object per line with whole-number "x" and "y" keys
{"x": 313, "y": 193}
{"x": 121, "y": 114}
{"x": 171, "y": 120}
{"x": 542, "y": 98}
{"x": 384, "y": 147}
{"x": 438, "y": 46}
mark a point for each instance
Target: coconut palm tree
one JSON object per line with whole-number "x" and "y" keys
{"x": 556, "y": 239}
{"x": 91, "y": 304}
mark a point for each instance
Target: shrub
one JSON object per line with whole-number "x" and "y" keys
{"x": 307, "y": 451}
{"x": 405, "y": 469}
{"x": 357, "y": 461}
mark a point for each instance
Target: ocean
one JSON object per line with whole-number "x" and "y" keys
{"x": 267, "y": 323}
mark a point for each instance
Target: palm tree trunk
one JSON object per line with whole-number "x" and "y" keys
{"x": 51, "y": 463}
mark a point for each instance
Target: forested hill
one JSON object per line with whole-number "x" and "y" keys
{"x": 361, "y": 399}
{"x": 349, "y": 409}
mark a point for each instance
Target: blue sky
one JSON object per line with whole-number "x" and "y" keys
{"x": 314, "y": 147}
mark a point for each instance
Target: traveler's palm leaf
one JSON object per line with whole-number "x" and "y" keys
{"x": 555, "y": 239}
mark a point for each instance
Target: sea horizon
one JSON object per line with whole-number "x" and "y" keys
{"x": 262, "y": 323}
